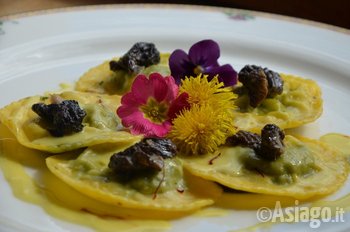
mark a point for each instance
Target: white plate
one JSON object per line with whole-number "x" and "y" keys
{"x": 39, "y": 51}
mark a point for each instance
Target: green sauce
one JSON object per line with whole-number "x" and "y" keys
{"x": 120, "y": 81}
{"x": 295, "y": 162}
{"x": 92, "y": 164}
{"x": 169, "y": 178}
{"x": 99, "y": 116}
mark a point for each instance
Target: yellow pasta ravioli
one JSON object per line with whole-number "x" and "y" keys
{"x": 300, "y": 103}
{"x": 100, "y": 124}
{"x": 170, "y": 190}
{"x": 307, "y": 168}
{"x": 101, "y": 79}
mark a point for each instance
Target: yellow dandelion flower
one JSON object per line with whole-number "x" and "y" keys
{"x": 201, "y": 129}
{"x": 204, "y": 92}
{"x": 209, "y": 121}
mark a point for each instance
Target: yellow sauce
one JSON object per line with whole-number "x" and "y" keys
{"x": 14, "y": 159}
{"x": 340, "y": 143}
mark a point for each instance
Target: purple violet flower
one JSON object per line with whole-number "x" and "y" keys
{"x": 202, "y": 58}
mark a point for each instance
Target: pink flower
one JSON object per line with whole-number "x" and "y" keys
{"x": 145, "y": 109}
{"x": 180, "y": 103}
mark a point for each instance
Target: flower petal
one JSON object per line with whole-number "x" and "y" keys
{"x": 129, "y": 99}
{"x": 133, "y": 119}
{"x": 160, "y": 130}
{"x": 205, "y": 53}
{"x": 163, "y": 90}
{"x": 179, "y": 104}
{"x": 226, "y": 74}
{"x": 142, "y": 126}
{"x": 159, "y": 85}
{"x": 128, "y": 105}
{"x": 149, "y": 129}
{"x": 173, "y": 88}
{"x": 180, "y": 65}
{"x": 141, "y": 89}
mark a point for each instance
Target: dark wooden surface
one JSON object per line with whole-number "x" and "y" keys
{"x": 334, "y": 12}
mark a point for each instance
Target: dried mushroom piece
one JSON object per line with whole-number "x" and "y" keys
{"x": 145, "y": 156}
{"x": 269, "y": 146}
{"x": 275, "y": 82}
{"x": 161, "y": 147}
{"x": 272, "y": 145}
{"x": 254, "y": 79}
{"x": 245, "y": 139}
{"x": 260, "y": 83}
{"x": 61, "y": 118}
{"x": 140, "y": 55}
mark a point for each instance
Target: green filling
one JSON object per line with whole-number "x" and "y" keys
{"x": 295, "y": 162}
{"x": 291, "y": 99}
{"x": 92, "y": 164}
{"x": 266, "y": 106}
{"x": 99, "y": 116}
{"x": 169, "y": 178}
{"x": 121, "y": 80}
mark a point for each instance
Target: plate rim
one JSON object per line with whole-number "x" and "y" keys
{"x": 207, "y": 8}
{"x": 159, "y": 6}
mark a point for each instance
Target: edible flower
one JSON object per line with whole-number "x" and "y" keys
{"x": 144, "y": 110}
{"x": 203, "y": 91}
{"x": 201, "y": 129}
{"x": 208, "y": 121}
{"x": 202, "y": 58}
{"x": 180, "y": 103}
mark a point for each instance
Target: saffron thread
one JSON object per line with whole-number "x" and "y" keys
{"x": 211, "y": 161}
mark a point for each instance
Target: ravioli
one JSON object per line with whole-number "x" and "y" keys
{"x": 101, "y": 79}
{"x": 100, "y": 124}
{"x": 308, "y": 168}
{"x": 71, "y": 198}
{"x": 170, "y": 190}
{"x": 339, "y": 142}
{"x": 300, "y": 103}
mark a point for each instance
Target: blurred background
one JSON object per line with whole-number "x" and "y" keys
{"x": 334, "y": 12}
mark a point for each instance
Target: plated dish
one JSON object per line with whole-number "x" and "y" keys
{"x": 103, "y": 110}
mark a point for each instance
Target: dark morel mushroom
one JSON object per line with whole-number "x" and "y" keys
{"x": 245, "y": 139}
{"x": 145, "y": 156}
{"x": 268, "y": 146}
{"x": 61, "y": 118}
{"x": 272, "y": 145}
{"x": 254, "y": 79}
{"x": 275, "y": 82}
{"x": 260, "y": 83}
{"x": 140, "y": 55}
